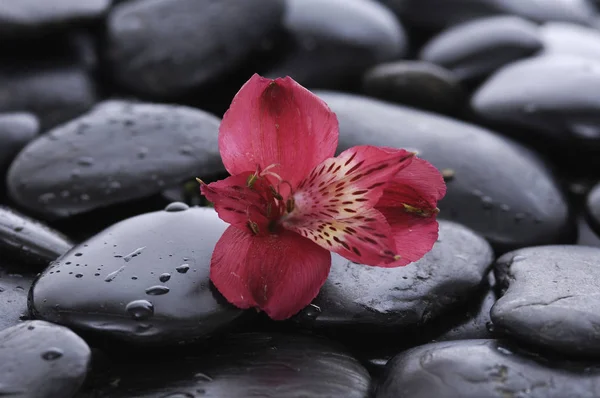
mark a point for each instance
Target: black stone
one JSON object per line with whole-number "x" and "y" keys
{"x": 36, "y": 18}
{"x": 166, "y": 48}
{"x": 551, "y": 97}
{"x": 565, "y": 38}
{"x": 475, "y": 49}
{"x": 437, "y": 14}
{"x": 551, "y": 298}
{"x": 593, "y": 208}
{"x": 16, "y": 130}
{"x": 120, "y": 151}
{"x": 334, "y": 41}
{"x": 357, "y": 297}
{"x": 42, "y": 360}
{"x": 28, "y": 241}
{"x": 484, "y": 369}
{"x": 418, "y": 84}
{"x": 110, "y": 284}
{"x": 495, "y": 185}
{"x": 13, "y": 296}
{"x": 239, "y": 366}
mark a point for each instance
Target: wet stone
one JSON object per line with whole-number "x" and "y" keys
{"x": 552, "y": 98}
{"x": 475, "y": 49}
{"x": 16, "y": 130}
{"x": 13, "y": 295}
{"x": 35, "y": 18}
{"x": 418, "y": 84}
{"x": 29, "y": 241}
{"x": 71, "y": 169}
{"x": 256, "y": 364}
{"x": 571, "y": 39}
{"x": 551, "y": 298}
{"x": 334, "y": 41}
{"x": 166, "y": 48}
{"x": 357, "y": 297}
{"x": 519, "y": 205}
{"x": 484, "y": 368}
{"x": 111, "y": 284}
{"x": 42, "y": 360}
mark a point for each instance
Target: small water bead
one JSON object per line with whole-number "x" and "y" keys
{"x": 164, "y": 277}
{"x": 52, "y": 354}
{"x": 176, "y": 206}
{"x": 140, "y": 309}
{"x": 78, "y": 275}
{"x": 157, "y": 290}
{"x": 183, "y": 268}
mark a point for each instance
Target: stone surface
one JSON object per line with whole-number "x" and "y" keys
{"x": 112, "y": 284}
{"x": 436, "y": 14}
{"x": 418, "y": 84}
{"x": 242, "y": 365}
{"x": 552, "y": 298}
{"x": 475, "y": 49}
{"x": 565, "y": 38}
{"x": 34, "y": 18}
{"x": 42, "y": 360}
{"x": 166, "y": 48}
{"x": 13, "y": 295}
{"x": 28, "y": 241}
{"x": 495, "y": 186}
{"x": 593, "y": 208}
{"x": 484, "y": 368}
{"x": 71, "y": 169}
{"x": 16, "y": 130}
{"x": 334, "y": 41}
{"x": 358, "y": 297}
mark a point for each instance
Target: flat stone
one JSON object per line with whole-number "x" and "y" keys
{"x": 421, "y": 85}
{"x": 166, "y": 48}
{"x": 357, "y": 297}
{"x": 334, "y": 41}
{"x": 118, "y": 152}
{"x": 495, "y": 191}
{"x": 42, "y": 360}
{"x": 484, "y": 368}
{"x": 115, "y": 284}
{"x": 240, "y": 365}
{"x": 29, "y": 241}
{"x": 475, "y": 49}
{"x": 551, "y": 298}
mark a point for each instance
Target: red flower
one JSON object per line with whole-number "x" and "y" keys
{"x": 290, "y": 202}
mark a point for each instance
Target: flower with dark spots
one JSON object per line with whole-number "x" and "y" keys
{"x": 290, "y": 202}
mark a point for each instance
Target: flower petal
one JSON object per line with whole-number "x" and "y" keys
{"x": 280, "y": 274}
{"x": 348, "y": 184}
{"x": 277, "y": 122}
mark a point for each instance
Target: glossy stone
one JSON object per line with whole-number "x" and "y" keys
{"x": 437, "y": 14}
{"x": 495, "y": 186}
{"x": 97, "y": 286}
{"x": 551, "y": 298}
{"x": 72, "y": 169}
{"x": 13, "y": 295}
{"x": 475, "y": 49}
{"x": 42, "y": 360}
{"x": 334, "y": 41}
{"x": 16, "y": 130}
{"x": 593, "y": 208}
{"x": 484, "y": 368}
{"x": 552, "y": 97}
{"x": 33, "y": 18}
{"x": 165, "y": 48}
{"x": 357, "y": 297}
{"x": 566, "y": 38}
{"x": 242, "y": 365}
{"x": 418, "y": 84}
{"x": 28, "y": 241}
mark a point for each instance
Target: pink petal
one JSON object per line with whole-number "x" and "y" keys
{"x": 277, "y": 122}
{"x": 241, "y": 205}
{"x": 344, "y": 186}
{"x": 279, "y": 274}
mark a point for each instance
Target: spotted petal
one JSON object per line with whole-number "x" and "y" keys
{"x": 279, "y": 274}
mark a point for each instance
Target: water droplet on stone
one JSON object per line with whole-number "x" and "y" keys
{"x": 78, "y": 254}
{"x": 504, "y": 207}
{"x": 504, "y": 350}
{"x": 142, "y": 152}
{"x": 157, "y": 290}
{"x": 114, "y": 185}
{"x": 186, "y": 150}
{"x": 78, "y": 276}
{"x": 164, "y": 277}
{"x": 46, "y": 198}
{"x": 518, "y": 258}
{"x": 84, "y": 197}
{"x": 140, "y": 309}
{"x": 487, "y": 202}
{"x": 519, "y": 217}
{"x": 52, "y": 354}
{"x": 178, "y": 395}
{"x": 176, "y": 206}
{"x": 183, "y": 268}
{"x": 85, "y": 161}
